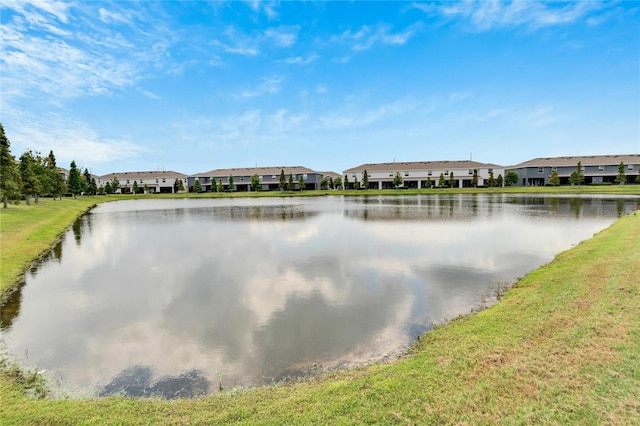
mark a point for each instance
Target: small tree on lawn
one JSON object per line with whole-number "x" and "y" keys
{"x": 356, "y": 184}
{"x": 196, "y": 186}
{"x": 135, "y": 187}
{"x": 474, "y": 179}
{"x": 441, "y": 180}
{"x": 554, "y": 179}
{"x": 282, "y": 184}
{"x": 291, "y": 186}
{"x": 511, "y": 178}
{"x": 638, "y": 178}
{"x": 220, "y": 186}
{"x": 574, "y": 179}
{"x": 89, "y": 183}
{"x": 74, "y": 183}
{"x": 115, "y": 185}
{"x": 101, "y": 190}
{"x": 492, "y": 180}
{"x": 324, "y": 183}
{"x": 397, "y": 180}
{"x": 365, "y": 179}
{"x": 107, "y": 188}
{"x": 30, "y": 183}
{"x": 499, "y": 180}
{"x": 255, "y": 183}
{"x": 145, "y": 188}
{"x": 452, "y": 180}
{"x": 621, "y": 178}
{"x": 337, "y": 182}
{"x": 231, "y": 186}
{"x": 346, "y": 182}
{"x": 301, "y": 185}
{"x": 57, "y": 181}
{"x": 429, "y": 183}
{"x": 579, "y": 173}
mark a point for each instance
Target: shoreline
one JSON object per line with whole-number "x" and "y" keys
{"x": 426, "y": 352}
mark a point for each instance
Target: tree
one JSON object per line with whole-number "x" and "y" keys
{"x": 220, "y": 186}
{"x": 474, "y": 179}
{"x": 429, "y": 183}
{"x": 441, "y": 180}
{"x": 397, "y": 180}
{"x": 356, "y": 184}
{"x": 511, "y": 178}
{"x": 554, "y": 179}
{"x": 337, "y": 182}
{"x": 89, "y": 183}
{"x": 579, "y": 173}
{"x": 283, "y": 181}
{"x": 107, "y": 188}
{"x": 43, "y": 176}
{"x": 75, "y": 180}
{"x": 9, "y": 174}
{"x": 638, "y": 178}
{"x": 145, "y": 188}
{"x": 57, "y": 181}
{"x": 452, "y": 180}
{"x": 491, "y": 181}
{"x": 324, "y": 183}
{"x": 301, "y": 184}
{"x": 101, "y": 190}
{"x": 135, "y": 187}
{"x": 255, "y": 182}
{"x": 346, "y": 182}
{"x": 365, "y": 179}
{"x": 231, "y": 187}
{"x": 176, "y": 185}
{"x": 291, "y": 186}
{"x": 181, "y": 184}
{"x": 115, "y": 185}
{"x": 574, "y": 179}
{"x": 196, "y": 186}
{"x": 621, "y": 178}
{"x": 500, "y": 180}
{"x": 30, "y": 184}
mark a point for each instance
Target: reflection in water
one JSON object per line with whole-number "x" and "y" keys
{"x": 177, "y": 298}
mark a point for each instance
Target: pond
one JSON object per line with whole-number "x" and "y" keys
{"x": 183, "y": 297}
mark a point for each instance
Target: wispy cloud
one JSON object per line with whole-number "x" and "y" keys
{"x": 283, "y": 36}
{"x": 70, "y": 139}
{"x": 357, "y": 118}
{"x": 268, "y": 86}
{"x": 488, "y": 14}
{"x": 266, "y": 7}
{"x": 367, "y": 36}
{"x": 302, "y": 60}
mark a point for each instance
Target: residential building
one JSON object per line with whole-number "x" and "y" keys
{"x": 417, "y": 174}
{"x": 597, "y": 169}
{"x": 156, "y": 182}
{"x": 269, "y": 178}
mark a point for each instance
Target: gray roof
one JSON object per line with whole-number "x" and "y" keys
{"x": 144, "y": 175}
{"x": 250, "y": 171}
{"x": 586, "y": 160}
{"x": 421, "y": 165}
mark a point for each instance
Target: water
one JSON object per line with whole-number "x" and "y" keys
{"x": 182, "y": 297}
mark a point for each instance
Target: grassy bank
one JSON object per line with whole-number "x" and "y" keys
{"x": 563, "y": 347}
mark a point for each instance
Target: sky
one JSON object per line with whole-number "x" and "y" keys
{"x": 195, "y": 86}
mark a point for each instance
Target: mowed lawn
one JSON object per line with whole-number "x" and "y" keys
{"x": 562, "y": 347}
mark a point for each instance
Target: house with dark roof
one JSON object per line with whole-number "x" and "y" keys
{"x": 269, "y": 178}
{"x": 597, "y": 169}
{"x": 417, "y": 174}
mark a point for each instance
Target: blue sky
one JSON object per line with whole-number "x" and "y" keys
{"x": 194, "y": 86}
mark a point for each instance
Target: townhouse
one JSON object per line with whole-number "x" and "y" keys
{"x": 156, "y": 181}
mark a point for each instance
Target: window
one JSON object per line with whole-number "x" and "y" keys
{"x": 601, "y": 168}
{"x": 127, "y": 180}
{"x": 490, "y": 170}
{"x": 554, "y": 169}
{"x": 406, "y": 174}
{"x": 630, "y": 167}
{"x": 470, "y": 171}
{"x": 304, "y": 176}
{"x": 540, "y": 169}
{"x": 241, "y": 178}
{"x": 273, "y": 177}
{"x": 156, "y": 180}
{"x": 140, "y": 180}
{"x": 446, "y": 172}
{"x": 390, "y": 174}
{"x": 429, "y": 173}
{"x": 164, "y": 180}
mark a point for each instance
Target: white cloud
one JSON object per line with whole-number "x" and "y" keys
{"x": 357, "y": 118}
{"x": 302, "y": 60}
{"x": 70, "y": 139}
{"x": 268, "y": 86}
{"x": 283, "y": 36}
{"x": 366, "y": 37}
{"x": 487, "y": 14}
{"x": 321, "y": 89}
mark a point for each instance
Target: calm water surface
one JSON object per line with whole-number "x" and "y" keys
{"x": 180, "y": 297}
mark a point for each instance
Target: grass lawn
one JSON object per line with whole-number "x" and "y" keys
{"x": 562, "y": 347}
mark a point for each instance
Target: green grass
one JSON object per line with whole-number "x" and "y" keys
{"x": 562, "y": 347}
